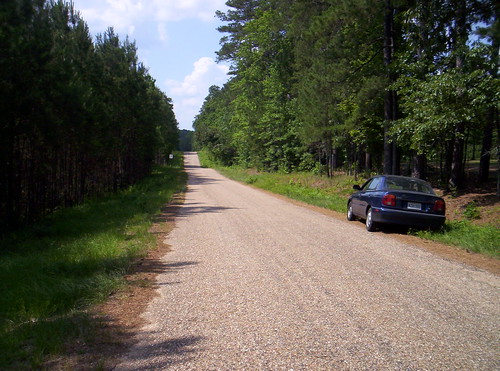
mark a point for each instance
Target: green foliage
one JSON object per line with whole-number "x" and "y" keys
{"x": 310, "y": 83}
{"x": 213, "y": 126}
{"x": 434, "y": 106}
{"x": 471, "y": 211}
{"x": 186, "y": 138}
{"x": 480, "y": 239}
{"x": 312, "y": 189}
{"x": 251, "y": 179}
{"x": 338, "y": 72}
{"x": 51, "y": 272}
{"x": 250, "y": 121}
{"x": 77, "y": 118}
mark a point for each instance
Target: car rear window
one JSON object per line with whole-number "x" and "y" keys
{"x": 415, "y": 185}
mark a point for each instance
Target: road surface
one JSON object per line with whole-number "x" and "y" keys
{"x": 254, "y": 282}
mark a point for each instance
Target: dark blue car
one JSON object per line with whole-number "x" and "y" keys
{"x": 396, "y": 200}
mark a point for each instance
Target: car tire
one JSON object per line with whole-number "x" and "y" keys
{"x": 350, "y": 214}
{"x": 370, "y": 224}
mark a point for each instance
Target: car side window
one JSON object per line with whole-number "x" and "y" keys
{"x": 366, "y": 185}
{"x": 373, "y": 184}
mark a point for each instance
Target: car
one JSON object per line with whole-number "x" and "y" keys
{"x": 391, "y": 199}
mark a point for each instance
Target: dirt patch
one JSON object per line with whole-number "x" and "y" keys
{"x": 477, "y": 202}
{"x": 480, "y": 206}
{"x": 120, "y": 317}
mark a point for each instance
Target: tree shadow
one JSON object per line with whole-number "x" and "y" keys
{"x": 192, "y": 167}
{"x": 190, "y": 209}
{"x": 167, "y": 353}
{"x": 200, "y": 180}
{"x": 489, "y": 199}
{"x": 395, "y": 229}
{"x": 157, "y": 266}
{"x": 105, "y": 335}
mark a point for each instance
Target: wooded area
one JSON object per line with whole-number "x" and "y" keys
{"x": 77, "y": 118}
{"x": 364, "y": 85}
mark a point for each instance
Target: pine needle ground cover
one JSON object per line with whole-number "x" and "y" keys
{"x": 52, "y": 272}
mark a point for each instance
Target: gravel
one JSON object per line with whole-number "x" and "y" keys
{"x": 257, "y": 283}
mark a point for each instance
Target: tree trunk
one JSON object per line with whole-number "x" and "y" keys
{"x": 492, "y": 117}
{"x": 328, "y": 148}
{"x": 387, "y": 150}
{"x": 368, "y": 161}
{"x": 335, "y": 157}
{"x": 419, "y": 162}
{"x": 457, "y": 168}
{"x": 391, "y": 162}
{"x": 396, "y": 159}
{"x": 448, "y": 160}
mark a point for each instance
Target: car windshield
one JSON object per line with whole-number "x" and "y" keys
{"x": 408, "y": 184}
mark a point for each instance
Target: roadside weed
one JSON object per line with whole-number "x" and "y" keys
{"x": 53, "y": 271}
{"x": 482, "y": 239}
{"x": 472, "y": 211}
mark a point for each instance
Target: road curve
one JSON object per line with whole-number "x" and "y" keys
{"x": 256, "y": 283}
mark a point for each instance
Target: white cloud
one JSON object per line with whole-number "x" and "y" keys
{"x": 162, "y": 32}
{"x": 122, "y": 15}
{"x": 126, "y": 15}
{"x": 176, "y": 10}
{"x": 206, "y": 72}
{"x": 188, "y": 95}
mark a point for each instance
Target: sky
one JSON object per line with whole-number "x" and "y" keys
{"x": 175, "y": 39}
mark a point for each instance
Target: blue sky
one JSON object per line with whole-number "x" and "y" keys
{"x": 176, "y": 40}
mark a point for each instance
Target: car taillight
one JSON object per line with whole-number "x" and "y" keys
{"x": 389, "y": 200}
{"x": 439, "y": 206}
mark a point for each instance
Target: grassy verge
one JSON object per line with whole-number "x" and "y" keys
{"x": 333, "y": 194}
{"x": 483, "y": 239}
{"x": 53, "y": 271}
{"x": 329, "y": 193}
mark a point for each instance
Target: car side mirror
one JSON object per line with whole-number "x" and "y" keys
{"x": 356, "y": 187}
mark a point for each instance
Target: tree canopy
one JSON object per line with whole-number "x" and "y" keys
{"x": 363, "y": 85}
{"x": 77, "y": 117}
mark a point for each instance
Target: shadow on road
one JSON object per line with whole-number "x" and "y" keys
{"x": 195, "y": 179}
{"x": 168, "y": 353}
{"x": 201, "y": 209}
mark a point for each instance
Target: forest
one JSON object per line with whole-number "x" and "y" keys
{"x": 395, "y": 86}
{"x": 78, "y": 117}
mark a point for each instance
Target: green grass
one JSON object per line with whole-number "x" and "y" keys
{"x": 333, "y": 194}
{"x": 329, "y": 193}
{"x": 52, "y": 272}
{"x": 483, "y": 239}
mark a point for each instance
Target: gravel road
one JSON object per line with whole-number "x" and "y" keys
{"x": 257, "y": 283}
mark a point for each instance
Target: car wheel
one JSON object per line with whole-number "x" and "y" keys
{"x": 370, "y": 224}
{"x": 350, "y": 214}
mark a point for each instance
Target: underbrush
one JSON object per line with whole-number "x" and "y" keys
{"x": 332, "y": 193}
{"x": 52, "y": 272}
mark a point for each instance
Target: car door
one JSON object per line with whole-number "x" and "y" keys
{"x": 366, "y": 195}
{"x": 356, "y": 199}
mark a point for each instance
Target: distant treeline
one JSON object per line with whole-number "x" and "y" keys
{"x": 77, "y": 118}
{"x": 186, "y": 140}
{"x": 366, "y": 85}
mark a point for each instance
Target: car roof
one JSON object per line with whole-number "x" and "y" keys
{"x": 398, "y": 176}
